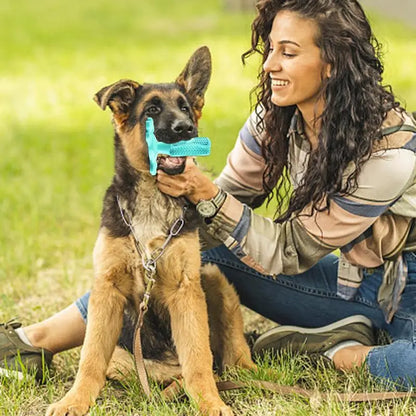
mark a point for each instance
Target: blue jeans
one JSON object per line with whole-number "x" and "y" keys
{"x": 310, "y": 299}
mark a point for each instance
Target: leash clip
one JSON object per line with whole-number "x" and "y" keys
{"x": 149, "y": 265}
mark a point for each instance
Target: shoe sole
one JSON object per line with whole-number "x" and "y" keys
{"x": 335, "y": 325}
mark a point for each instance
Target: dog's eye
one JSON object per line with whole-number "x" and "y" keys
{"x": 185, "y": 109}
{"x": 152, "y": 110}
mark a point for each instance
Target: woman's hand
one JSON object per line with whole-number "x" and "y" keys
{"x": 191, "y": 183}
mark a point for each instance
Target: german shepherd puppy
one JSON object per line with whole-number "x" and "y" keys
{"x": 192, "y": 311}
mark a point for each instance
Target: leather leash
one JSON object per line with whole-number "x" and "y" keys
{"x": 138, "y": 353}
{"x": 314, "y": 394}
{"x": 176, "y": 388}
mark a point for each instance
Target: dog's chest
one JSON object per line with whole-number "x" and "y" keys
{"x": 154, "y": 214}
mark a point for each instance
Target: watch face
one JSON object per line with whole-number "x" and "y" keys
{"x": 206, "y": 209}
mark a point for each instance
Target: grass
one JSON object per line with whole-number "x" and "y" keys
{"x": 56, "y": 161}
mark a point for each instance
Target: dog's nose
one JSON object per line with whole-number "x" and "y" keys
{"x": 183, "y": 127}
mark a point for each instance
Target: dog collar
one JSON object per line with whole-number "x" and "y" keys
{"x": 198, "y": 146}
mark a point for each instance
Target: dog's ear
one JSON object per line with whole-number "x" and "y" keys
{"x": 118, "y": 96}
{"x": 195, "y": 77}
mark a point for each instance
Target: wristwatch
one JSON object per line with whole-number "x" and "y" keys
{"x": 208, "y": 208}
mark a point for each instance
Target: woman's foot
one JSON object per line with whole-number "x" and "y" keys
{"x": 18, "y": 357}
{"x": 345, "y": 342}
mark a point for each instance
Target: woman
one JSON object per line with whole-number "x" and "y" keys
{"x": 324, "y": 123}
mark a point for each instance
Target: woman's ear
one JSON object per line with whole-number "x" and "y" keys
{"x": 328, "y": 70}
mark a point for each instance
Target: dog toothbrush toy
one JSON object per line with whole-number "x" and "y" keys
{"x": 198, "y": 146}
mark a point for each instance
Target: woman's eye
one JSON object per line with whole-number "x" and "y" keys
{"x": 288, "y": 55}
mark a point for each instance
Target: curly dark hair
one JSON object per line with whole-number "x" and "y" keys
{"x": 355, "y": 104}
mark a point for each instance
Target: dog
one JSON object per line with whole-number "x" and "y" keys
{"x": 194, "y": 313}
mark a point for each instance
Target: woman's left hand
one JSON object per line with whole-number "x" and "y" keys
{"x": 191, "y": 183}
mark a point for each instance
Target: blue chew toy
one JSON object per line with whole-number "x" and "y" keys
{"x": 198, "y": 146}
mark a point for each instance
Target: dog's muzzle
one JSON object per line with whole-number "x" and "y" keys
{"x": 170, "y": 164}
{"x": 170, "y": 157}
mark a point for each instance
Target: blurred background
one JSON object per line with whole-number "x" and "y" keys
{"x": 56, "y": 146}
{"x": 402, "y": 10}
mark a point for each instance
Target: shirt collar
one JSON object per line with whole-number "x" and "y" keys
{"x": 296, "y": 131}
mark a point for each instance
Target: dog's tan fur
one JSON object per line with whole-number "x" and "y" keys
{"x": 198, "y": 313}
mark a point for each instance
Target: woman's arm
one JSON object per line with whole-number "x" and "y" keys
{"x": 297, "y": 244}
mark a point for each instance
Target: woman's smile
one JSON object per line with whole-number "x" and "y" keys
{"x": 278, "y": 84}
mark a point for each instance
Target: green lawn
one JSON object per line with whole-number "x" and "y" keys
{"x": 57, "y": 158}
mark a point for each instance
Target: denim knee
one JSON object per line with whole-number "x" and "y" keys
{"x": 394, "y": 365}
{"x": 82, "y": 305}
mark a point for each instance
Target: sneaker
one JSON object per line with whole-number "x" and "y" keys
{"x": 18, "y": 358}
{"x": 316, "y": 340}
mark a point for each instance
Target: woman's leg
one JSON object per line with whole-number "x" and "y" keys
{"x": 310, "y": 300}
{"x": 397, "y": 361}
{"x": 31, "y": 348}
{"x": 62, "y": 331}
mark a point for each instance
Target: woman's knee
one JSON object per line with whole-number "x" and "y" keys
{"x": 394, "y": 365}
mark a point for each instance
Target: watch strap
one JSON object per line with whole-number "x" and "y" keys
{"x": 219, "y": 199}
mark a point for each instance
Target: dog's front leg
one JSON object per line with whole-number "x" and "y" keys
{"x": 105, "y": 318}
{"x": 185, "y": 300}
{"x": 225, "y": 320}
{"x": 105, "y": 315}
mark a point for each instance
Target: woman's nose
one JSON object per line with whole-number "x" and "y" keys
{"x": 272, "y": 63}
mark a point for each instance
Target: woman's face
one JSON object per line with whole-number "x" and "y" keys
{"x": 294, "y": 63}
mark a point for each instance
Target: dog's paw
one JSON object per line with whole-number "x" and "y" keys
{"x": 68, "y": 407}
{"x": 223, "y": 411}
{"x": 217, "y": 410}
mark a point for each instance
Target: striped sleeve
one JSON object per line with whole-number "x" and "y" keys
{"x": 243, "y": 174}
{"x": 297, "y": 244}
{"x": 351, "y": 221}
